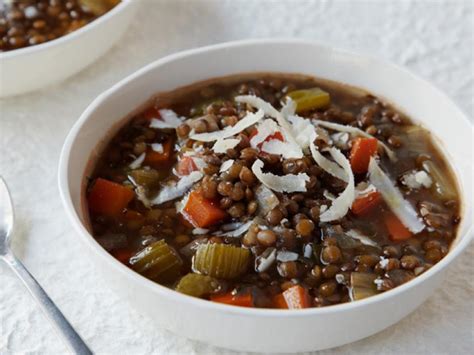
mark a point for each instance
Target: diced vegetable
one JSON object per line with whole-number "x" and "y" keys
{"x": 157, "y": 261}
{"x": 197, "y": 285}
{"x": 443, "y": 186}
{"x": 362, "y": 285}
{"x": 310, "y": 99}
{"x": 222, "y": 261}
{"x": 296, "y": 297}
{"x": 156, "y": 159}
{"x": 396, "y": 230}
{"x": 244, "y": 300}
{"x": 362, "y": 150}
{"x": 416, "y": 139}
{"x": 279, "y": 301}
{"x": 109, "y": 198}
{"x": 365, "y": 204}
{"x": 186, "y": 166}
{"x": 148, "y": 178}
{"x": 202, "y": 212}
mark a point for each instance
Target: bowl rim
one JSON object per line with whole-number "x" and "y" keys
{"x": 175, "y": 296}
{"x": 120, "y": 7}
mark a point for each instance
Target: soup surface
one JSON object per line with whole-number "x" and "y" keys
{"x": 273, "y": 191}
{"x": 25, "y": 23}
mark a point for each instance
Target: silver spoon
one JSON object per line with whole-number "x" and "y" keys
{"x": 61, "y": 324}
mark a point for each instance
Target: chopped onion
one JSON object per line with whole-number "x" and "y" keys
{"x": 284, "y": 256}
{"x": 394, "y": 198}
{"x": 285, "y": 183}
{"x": 356, "y": 131}
{"x": 200, "y": 231}
{"x": 308, "y": 250}
{"x": 222, "y": 145}
{"x": 137, "y": 162}
{"x": 157, "y": 147}
{"x": 361, "y": 238}
{"x": 226, "y": 165}
{"x": 249, "y": 120}
{"x": 344, "y": 201}
{"x": 327, "y": 165}
{"x": 169, "y": 119}
{"x": 266, "y": 199}
{"x": 264, "y": 261}
{"x": 239, "y": 231}
{"x": 170, "y": 192}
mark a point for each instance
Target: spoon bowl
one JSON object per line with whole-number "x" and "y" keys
{"x": 6, "y": 217}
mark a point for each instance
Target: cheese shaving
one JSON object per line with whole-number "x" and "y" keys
{"x": 264, "y": 261}
{"x": 137, "y": 162}
{"x": 265, "y": 129}
{"x": 303, "y": 130}
{"x": 417, "y": 179}
{"x": 394, "y": 198}
{"x": 286, "y": 149}
{"x": 285, "y": 183}
{"x": 355, "y": 234}
{"x": 200, "y": 231}
{"x": 222, "y": 145}
{"x": 239, "y": 231}
{"x": 169, "y": 119}
{"x": 327, "y": 165}
{"x": 170, "y": 192}
{"x": 226, "y": 165}
{"x": 356, "y": 131}
{"x": 249, "y": 120}
{"x": 266, "y": 199}
{"x": 284, "y": 256}
{"x": 344, "y": 201}
{"x": 157, "y": 147}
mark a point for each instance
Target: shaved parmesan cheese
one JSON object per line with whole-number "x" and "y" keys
{"x": 343, "y": 202}
{"x": 170, "y": 192}
{"x": 249, "y": 120}
{"x": 363, "y": 189}
{"x": 417, "y": 180}
{"x": 329, "y": 195}
{"x": 200, "y": 163}
{"x": 361, "y": 238}
{"x": 356, "y": 131}
{"x": 200, "y": 231}
{"x": 327, "y": 165}
{"x": 226, "y": 165}
{"x": 285, "y": 183}
{"x": 383, "y": 262}
{"x": 303, "y": 130}
{"x": 284, "y": 256}
{"x": 157, "y": 147}
{"x": 288, "y": 108}
{"x": 265, "y": 129}
{"x": 266, "y": 199}
{"x": 239, "y": 231}
{"x": 394, "y": 198}
{"x": 286, "y": 149}
{"x": 222, "y": 145}
{"x": 137, "y": 162}
{"x": 323, "y": 208}
{"x": 341, "y": 140}
{"x": 308, "y": 250}
{"x": 169, "y": 119}
{"x": 264, "y": 261}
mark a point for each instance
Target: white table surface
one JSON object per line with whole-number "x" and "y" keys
{"x": 432, "y": 38}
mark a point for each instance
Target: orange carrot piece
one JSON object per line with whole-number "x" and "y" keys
{"x": 109, "y": 198}
{"x": 186, "y": 166}
{"x": 122, "y": 255}
{"x": 202, "y": 212}
{"x": 151, "y": 113}
{"x": 362, "y": 150}
{"x": 280, "y": 302}
{"x": 244, "y": 300}
{"x": 157, "y": 160}
{"x": 276, "y": 135}
{"x": 296, "y": 297}
{"x": 364, "y": 204}
{"x": 396, "y": 230}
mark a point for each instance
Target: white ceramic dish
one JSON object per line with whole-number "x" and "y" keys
{"x": 260, "y": 329}
{"x": 31, "y": 68}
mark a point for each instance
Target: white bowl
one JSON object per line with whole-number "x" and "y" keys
{"x": 31, "y": 68}
{"x": 262, "y": 329}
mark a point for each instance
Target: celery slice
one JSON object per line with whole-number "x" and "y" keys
{"x": 222, "y": 261}
{"x": 148, "y": 178}
{"x": 362, "y": 285}
{"x": 197, "y": 285}
{"x": 157, "y": 261}
{"x": 443, "y": 186}
{"x": 310, "y": 99}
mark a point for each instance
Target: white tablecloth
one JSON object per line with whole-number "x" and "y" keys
{"x": 432, "y": 38}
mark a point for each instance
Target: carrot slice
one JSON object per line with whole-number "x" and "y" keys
{"x": 276, "y": 135}
{"x": 186, "y": 166}
{"x": 396, "y": 230}
{"x": 280, "y": 302}
{"x": 109, "y": 198}
{"x": 364, "y": 204}
{"x": 296, "y": 297}
{"x": 244, "y": 300}
{"x": 362, "y": 150}
{"x": 202, "y": 212}
{"x": 157, "y": 160}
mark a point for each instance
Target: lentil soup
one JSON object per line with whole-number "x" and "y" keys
{"x": 273, "y": 191}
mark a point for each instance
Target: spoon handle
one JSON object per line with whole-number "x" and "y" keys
{"x": 61, "y": 324}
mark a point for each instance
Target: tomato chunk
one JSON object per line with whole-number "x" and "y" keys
{"x": 362, "y": 150}
{"x": 109, "y": 198}
{"x": 203, "y": 212}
